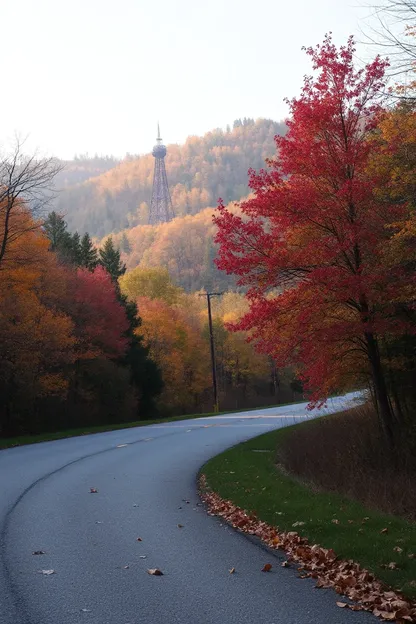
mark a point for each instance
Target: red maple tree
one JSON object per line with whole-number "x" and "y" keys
{"x": 100, "y": 319}
{"x": 308, "y": 244}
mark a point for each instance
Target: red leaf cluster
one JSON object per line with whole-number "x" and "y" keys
{"x": 101, "y": 319}
{"x": 346, "y": 577}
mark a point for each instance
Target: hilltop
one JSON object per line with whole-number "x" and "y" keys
{"x": 102, "y": 195}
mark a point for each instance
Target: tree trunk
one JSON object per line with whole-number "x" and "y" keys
{"x": 380, "y": 390}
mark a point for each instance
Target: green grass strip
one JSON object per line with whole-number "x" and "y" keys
{"x": 247, "y": 475}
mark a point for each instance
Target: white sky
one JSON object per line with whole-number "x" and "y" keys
{"x": 96, "y": 75}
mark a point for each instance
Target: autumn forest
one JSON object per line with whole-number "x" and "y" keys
{"x": 306, "y": 228}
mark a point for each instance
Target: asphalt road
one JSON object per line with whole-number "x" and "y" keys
{"x": 143, "y": 477}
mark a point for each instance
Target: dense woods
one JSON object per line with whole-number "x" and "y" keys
{"x": 70, "y": 354}
{"x": 175, "y": 328}
{"x": 199, "y": 172}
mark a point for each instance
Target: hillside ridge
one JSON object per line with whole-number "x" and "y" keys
{"x": 199, "y": 172}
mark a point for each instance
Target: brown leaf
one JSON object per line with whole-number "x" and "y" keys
{"x": 267, "y": 567}
{"x": 139, "y": 539}
{"x": 342, "y": 605}
{"x": 232, "y": 571}
{"x": 155, "y": 572}
{"x": 385, "y": 615}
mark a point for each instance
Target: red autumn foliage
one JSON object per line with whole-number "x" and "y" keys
{"x": 101, "y": 319}
{"x": 309, "y": 244}
{"x": 346, "y": 577}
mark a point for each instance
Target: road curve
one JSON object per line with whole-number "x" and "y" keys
{"x": 144, "y": 477}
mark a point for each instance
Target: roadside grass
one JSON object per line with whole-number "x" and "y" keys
{"x": 80, "y": 431}
{"x": 248, "y": 476}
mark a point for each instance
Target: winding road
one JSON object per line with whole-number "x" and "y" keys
{"x": 145, "y": 477}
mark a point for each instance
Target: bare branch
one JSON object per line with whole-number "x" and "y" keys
{"x": 395, "y": 35}
{"x": 26, "y": 185}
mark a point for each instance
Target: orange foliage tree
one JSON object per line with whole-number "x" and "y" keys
{"x": 180, "y": 351}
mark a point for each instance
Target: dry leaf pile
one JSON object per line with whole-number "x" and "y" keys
{"x": 346, "y": 577}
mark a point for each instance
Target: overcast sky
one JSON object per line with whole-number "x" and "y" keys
{"x": 96, "y": 75}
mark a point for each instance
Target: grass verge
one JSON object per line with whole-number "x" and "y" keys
{"x": 247, "y": 475}
{"x": 70, "y": 433}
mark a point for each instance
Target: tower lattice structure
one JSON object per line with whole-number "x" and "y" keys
{"x": 161, "y": 209}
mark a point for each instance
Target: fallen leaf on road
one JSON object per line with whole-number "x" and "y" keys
{"x": 180, "y": 526}
{"x": 38, "y": 552}
{"x": 47, "y": 572}
{"x": 155, "y": 572}
{"x": 139, "y": 539}
{"x": 126, "y": 567}
{"x": 93, "y": 490}
{"x": 98, "y": 522}
{"x": 342, "y": 605}
{"x": 86, "y": 610}
{"x": 231, "y": 571}
{"x": 267, "y": 567}
{"x": 143, "y": 557}
{"x": 285, "y": 564}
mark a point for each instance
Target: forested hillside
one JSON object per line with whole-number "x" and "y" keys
{"x": 82, "y": 168}
{"x": 199, "y": 172}
{"x": 185, "y": 246}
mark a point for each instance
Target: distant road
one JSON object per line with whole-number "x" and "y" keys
{"x": 144, "y": 477}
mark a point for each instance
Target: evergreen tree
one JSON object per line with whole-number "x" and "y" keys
{"x": 64, "y": 244}
{"x": 75, "y": 249}
{"x": 88, "y": 253}
{"x": 56, "y": 230}
{"x": 110, "y": 260}
{"x": 124, "y": 244}
{"x": 145, "y": 374}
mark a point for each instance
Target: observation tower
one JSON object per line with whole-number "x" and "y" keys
{"x": 161, "y": 209}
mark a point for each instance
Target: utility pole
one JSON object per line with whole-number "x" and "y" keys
{"x": 208, "y": 295}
